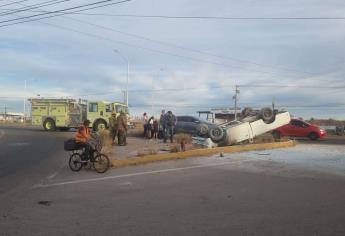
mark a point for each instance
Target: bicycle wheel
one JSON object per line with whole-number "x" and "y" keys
{"x": 101, "y": 163}
{"x": 75, "y": 162}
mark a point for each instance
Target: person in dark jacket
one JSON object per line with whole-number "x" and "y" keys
{"x": 162, "y": 125}
{"x": 170, "y": 122}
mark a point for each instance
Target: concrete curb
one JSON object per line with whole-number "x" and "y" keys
{"x": 199, "y": 153}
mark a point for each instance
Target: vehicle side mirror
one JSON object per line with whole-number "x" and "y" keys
{"x": 196, "y": 121}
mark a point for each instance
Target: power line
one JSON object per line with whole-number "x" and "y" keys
{"x": 62, "y": 10}
{"x": 150, "y": 49}
{"x": 291, "y": 86}
{"x": 13, "y": 3}
{"x": 200, "y": 89}
{"x": 215, "y": 17}
{"x": 34, "y": 6}
{"x": 216, "y": 87}
{"x": 186, "y": 48}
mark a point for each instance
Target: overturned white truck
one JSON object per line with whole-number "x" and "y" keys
{"x": 251, "y": 124}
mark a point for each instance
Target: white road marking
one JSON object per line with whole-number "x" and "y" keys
{"x": 138, "y": 174}
{"x": 50, "y": 177}
{"x": 18, "y": 144}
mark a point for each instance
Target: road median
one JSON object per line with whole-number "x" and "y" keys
{"x": 199, "y": 153}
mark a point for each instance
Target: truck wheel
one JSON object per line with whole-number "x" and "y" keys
{"x": 216, "y": 134}
{"x": 276, "y": 135}
{"x": 246, "y": 111}
{"x": 313, "y": 136}
{"x": 267, "y": 115}
{"x": 202, "y": 129}
{"x": 99, "y": 125}
{"x": 49, "y": 125}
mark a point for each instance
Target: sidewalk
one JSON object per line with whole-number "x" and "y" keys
{"x": 142, "y": 151}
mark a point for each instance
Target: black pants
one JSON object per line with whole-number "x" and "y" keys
{"x": 87, "y": 149}
{"x": 145, "y": 130}
{"x": 113, "y": 134}
{"x": 121, "y": 137}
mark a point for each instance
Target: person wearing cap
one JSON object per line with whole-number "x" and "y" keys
{"x": 113, "y": 126}
{"x": 82, "y": 138}
{"x": 122, "y": 129}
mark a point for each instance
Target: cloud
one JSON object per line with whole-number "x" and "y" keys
{"x": 59, "y": 62}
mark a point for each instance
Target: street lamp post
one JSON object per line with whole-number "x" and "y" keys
{"x": 123, "y": 57}
{"x": 24, "y": 111}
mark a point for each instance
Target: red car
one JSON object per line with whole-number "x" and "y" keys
{"x": 299, "y": 128}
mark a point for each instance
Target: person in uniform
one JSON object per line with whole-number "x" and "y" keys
{"x": 113, "y": 126}
{"x": 170, "y": 120}
{"x": 122, "y": 129}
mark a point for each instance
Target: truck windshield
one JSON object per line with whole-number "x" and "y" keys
{"x": 119, "y": 108}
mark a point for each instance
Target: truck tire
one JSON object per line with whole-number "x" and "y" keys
{"x": 216, "y": 134}
{"x": 99, "y": 125}
{"x": 202, "y": 130}
{"x": 49, "y": 125}
{"x": 246, "y": 111}
{"x": 267, "y": 115}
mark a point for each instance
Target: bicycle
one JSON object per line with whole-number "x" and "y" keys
{"x": 77, "y": 159}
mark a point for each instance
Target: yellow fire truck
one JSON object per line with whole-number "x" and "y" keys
{"x": 63, "y": 114}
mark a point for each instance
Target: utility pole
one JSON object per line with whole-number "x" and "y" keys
{"x": 5, "y": 113}
{"x": 235, "y": 97}
{"x": 127, "y": 79}
{"x": 124, "y": 96}
{"x": 152, "y": 91}
{"x": 24, "y": 112}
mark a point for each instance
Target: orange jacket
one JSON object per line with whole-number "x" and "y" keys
{"x": 83, "y": 134}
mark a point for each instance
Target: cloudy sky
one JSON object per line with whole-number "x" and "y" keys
{"x": 190, "y": 64}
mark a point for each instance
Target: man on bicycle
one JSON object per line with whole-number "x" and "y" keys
{"x": 82, "y": 138}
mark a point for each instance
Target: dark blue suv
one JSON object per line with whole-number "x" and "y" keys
{"x": 193, "y": 126}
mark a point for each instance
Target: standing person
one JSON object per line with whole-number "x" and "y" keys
{"x": 122, "y": 129}
{"x": 162, "y": 125}
{"x": 150, "y": 128}
{"x": 113, "y": 127}
{"x": 144, "y": 120}
{"x": 170, "y": 120}
{"x": 155, "y": 129}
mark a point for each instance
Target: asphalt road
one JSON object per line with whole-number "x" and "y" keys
{"x": 27, "y": 154}
{"x": 258, "y": 193}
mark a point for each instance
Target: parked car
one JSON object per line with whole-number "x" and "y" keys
{"x": 193, "y": 126}
{"x": 299, "y": 128}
